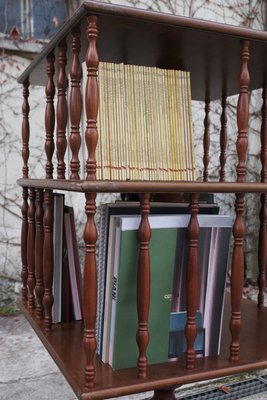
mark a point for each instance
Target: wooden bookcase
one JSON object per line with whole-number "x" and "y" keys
{"x": 222, "y": 60}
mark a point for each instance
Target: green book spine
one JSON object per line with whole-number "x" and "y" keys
{"x": 162, "y": 259}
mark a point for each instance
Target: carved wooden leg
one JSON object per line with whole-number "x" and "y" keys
{"x": 237, "y": 277}
{"x": 90, "y": 290}
{"x": 48, "y": 259}
{"x": 262, "y": 252}
{"x": 206, "y": 141}
{"x": 39, "y": 243}
{"x": 143, "y": 289}
{"x": 25, "y": 132}
{"x": 192, "y": 282}
{"x": 30, "y": 249}
{"x": 237, "y": 267}
{"x": 24, "y": 236}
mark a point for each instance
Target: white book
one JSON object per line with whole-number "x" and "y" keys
{"x": 74, "y": 267}
{"x": 58, "y": 256}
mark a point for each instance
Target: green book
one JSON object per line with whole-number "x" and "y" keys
{"x": 123, "y": 351}
{"x": 167, "y": 269}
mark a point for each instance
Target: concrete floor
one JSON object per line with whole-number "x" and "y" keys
{"x": 28, "y": 373}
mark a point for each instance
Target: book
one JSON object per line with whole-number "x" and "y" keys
{"x": 65, "y": 295}
{"x": 58, "y": 256}
{"x": 73, "y": 263}
{"x": 212, "y": 272}
{"x": 123, "y": 322}
{"x": 166, "y": 267}
{"x": 151, "y": 107}
{"x": 127, "y": 208}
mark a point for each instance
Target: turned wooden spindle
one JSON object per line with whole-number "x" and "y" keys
{"x": 262, "y": 251}
{"x": 30, "y": 249}
{"x": 49, "y": 115}
{"x": 192, "y": 281}
{"x": 90, "y": 232}
{"x": 90, "y": 289}
{"x": 75, "y": 105}
{"x": 206, "y": 140}
{"x": 92, "y": 97}
{"x": 223, "y": 139}
{"x": 62, "y": 109}
{"x": 39, "y": 243}
{"x": 143, "y": 286}
{"x": 25, "y": 133}
{"x": 48, "y": 263}
{"x": 237, "y": 268}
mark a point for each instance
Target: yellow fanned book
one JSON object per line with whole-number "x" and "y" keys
{"x": 145, "y": 124}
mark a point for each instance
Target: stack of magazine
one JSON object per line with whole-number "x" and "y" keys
{"x": 117, "y": 281}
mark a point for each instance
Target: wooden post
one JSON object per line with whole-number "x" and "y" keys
{"x": 262, "y": 251}
{"x": 30, "y": 249}
{"x": 25, "y": 132}
{"x": 237, "y": 268}
{"x": 62, "y": 109}
{"x": 143, "y": 286}
{"x": 223, "y": 139}
{"x": 192, "y": 281}
{"x": 75, "y": 104}
{"x": 90, "y": 232}
{"x": 49, "y": 115}
{"x": 39, "y": 242}
{"x": 206, "y": 140}
{"x": 48, "y": 261}
{"x": 48, "y": 196}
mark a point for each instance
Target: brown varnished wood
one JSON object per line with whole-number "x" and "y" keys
{"x": 192, "y": 281}
{"x": 145, "y": 187}
{"x": 143, "y": 286}
{"x": 39, "y": 243}
{"x": 25, "y": 129}
{"x": 49, "y": 115}
{"x": 48, "y": 263}
{"x": 62, "y": 109}
{"x": 25, "y": 133}
{"x": 92, "y": 97}
{"x": 111, "y": 383}
{"x": 206, "y": 141}
{"x": 223, "y": 138}
{"x": 30, "y": 249}
{"x": 24, "y": 237}
{"x": 263, "y": 211}
{"x": 90, "y": 232}
{"x": 90, "y": 289}
{"x": 75, "y": 104}
{"x": 237, "y": 267}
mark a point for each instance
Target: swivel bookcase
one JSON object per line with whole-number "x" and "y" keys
{"x": 222, "y": 60}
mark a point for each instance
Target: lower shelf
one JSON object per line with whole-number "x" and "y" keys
{"x": 64, "y": 344}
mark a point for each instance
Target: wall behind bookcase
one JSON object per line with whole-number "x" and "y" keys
{"x": 238, "y": 12}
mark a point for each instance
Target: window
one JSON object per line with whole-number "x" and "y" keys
{"x": 33, "y": 18}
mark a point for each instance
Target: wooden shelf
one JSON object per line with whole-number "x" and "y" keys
{"x": 64, "y": 344}
{"x": 85, "y": 186}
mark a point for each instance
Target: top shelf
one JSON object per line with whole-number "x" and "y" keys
{"x": 209, "y": 50}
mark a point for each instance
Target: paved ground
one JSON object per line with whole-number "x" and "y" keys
{"x": 28, "y": 373}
